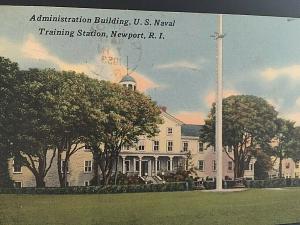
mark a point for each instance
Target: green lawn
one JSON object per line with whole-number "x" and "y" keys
{"x": 178, "y": 208}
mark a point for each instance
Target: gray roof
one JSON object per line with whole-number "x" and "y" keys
{"x": 191, "y": 130}
{"x": 127, "y": 78}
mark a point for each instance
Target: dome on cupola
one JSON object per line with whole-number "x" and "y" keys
{"x": 127, "y": 78}
{"x": 128, "y": 82}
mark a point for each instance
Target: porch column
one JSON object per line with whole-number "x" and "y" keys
{"x": 140, "y": 166}
{"x": 171, "y": 163}
{"x": 134, "y": 165}
{"x": 123, "y": 164}
{"x": 155, "y": 166}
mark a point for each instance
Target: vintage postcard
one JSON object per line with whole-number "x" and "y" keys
{"x": 143, "y": 103}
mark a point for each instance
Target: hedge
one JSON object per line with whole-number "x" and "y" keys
{"x": 273, "y": 183}
{"x": 109, "y": 189}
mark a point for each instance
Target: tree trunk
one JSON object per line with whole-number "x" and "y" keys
{"x": 96, "y": 157}
{"x": 5, "y": 180}
{"x": 280, "y": 167}
{"x": 116, "y": 170}
{"x": 39, "y": 180}
{"x": 236, "y": 162}
{"x": 59, "y": 169}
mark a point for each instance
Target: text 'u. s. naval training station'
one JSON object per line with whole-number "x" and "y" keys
{"x": 103, "y": 27}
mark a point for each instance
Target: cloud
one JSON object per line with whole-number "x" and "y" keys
{"x": 275, "y": 102}
{"x": 189, "y": 117}
{"x": 9, "y": 49}
{"x": 99, "y": 68}
{"x": 294, "y": 116}
{"x": 298, "y": 102}
{"x": 292, "y": 72}
{"x": 183, "y": 64}
{"x": 210, "y": 98}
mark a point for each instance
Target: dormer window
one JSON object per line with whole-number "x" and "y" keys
{"x": 141, "y": 145}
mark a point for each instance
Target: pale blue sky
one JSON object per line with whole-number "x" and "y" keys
{"x": 261, "y": 55}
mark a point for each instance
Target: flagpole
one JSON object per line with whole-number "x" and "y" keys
{"x": 219, "y": 97}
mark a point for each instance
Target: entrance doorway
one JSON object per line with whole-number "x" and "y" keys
{"x": 145, "y": 168}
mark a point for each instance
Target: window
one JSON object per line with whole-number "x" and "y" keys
{"x": 214, "y": 165}
{"x": 213, "y": 148}
{"x": 126, "y": 148}
{"x": 86, "y": 183}
{"x": 297, "y": 165}
{"x": 137, "y": 165}
{"x": 130, "y": 86}
{"x": 201, "y": 147}
{"x": 170, "y": 146}
{"x": 185, "y": 146}
{"x": 18, "y": 184}
{"x": 169, "y": 165}
{"x": 287, "y": 165}
{"x": 62, "y": 166}
{"x": 169, "y": 130}
{"x": 229, "y": 149}
{"x": 127, "y": 165}
{"x": 251, "y": 166}
{"x": 17, "y": 168}
{"x": 87, "y": 148}
{"x": 230, "y": 165}
{"x": 201, "y": 165}
{"x": 156, "y": 145}
{"x": 141, "y": 145}
{"x": 88, "y": 166}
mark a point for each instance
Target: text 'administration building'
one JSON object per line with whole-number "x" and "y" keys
{"x": 176, "y": 146}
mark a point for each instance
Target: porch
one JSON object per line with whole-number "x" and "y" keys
{"x": 150, "y": 165}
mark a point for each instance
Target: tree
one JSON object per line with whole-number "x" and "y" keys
{"x": 294, "y": 145}
{"x": 8, "y": 71}
{"x": 73, "y": 117}
{"x": 262, "y": 166}
{"x": 128, "y": 115}
{"x": 248, "y": 124}
{"x": 282, "y": 141}
{"x": 33, "y": 138}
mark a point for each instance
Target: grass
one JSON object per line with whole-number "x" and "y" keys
{"x": 177, "y": 208}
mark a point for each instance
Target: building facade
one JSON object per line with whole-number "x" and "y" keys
{"x": 290, "y": 168}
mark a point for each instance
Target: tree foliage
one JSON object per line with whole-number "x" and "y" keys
{"x": 128, "y": 115}
{"x": 75, "y": 112}
{"x": 32, "y": 121}
{"x": 8, "y": 72}
{"x": 48, "y": 113}
{"x": 262, "y": 166}
{"x": 248, "y": 123}
{"x": 294, "y": 145}
{"x": 282, "y": 141}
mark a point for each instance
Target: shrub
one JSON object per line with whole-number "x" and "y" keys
{"x": 109, "y": 189}
{"x": 273, "y": 183}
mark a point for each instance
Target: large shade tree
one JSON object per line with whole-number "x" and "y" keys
{"x": 294, "y": 145}
{"x": 8, "y": 72}
{"x": 128, "y": 115}
{"x": 282, "y": 142}
{"x": 74, "y": 115}
{"x": 33, "y": 137}
{"x": 248, "y": 124}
